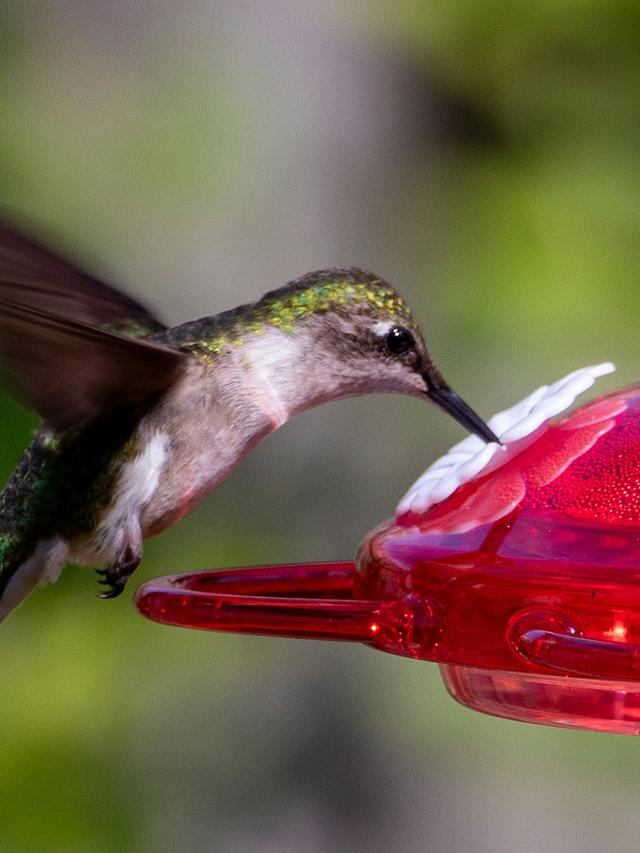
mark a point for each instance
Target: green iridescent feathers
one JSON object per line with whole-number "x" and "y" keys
{"x": 343, "y": 291}
{"x": 330, "y": 290}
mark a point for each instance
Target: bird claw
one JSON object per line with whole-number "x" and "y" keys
{"x": 114, "y": 592}
{"x": 115, "y": 579}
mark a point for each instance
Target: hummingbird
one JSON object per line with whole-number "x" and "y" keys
{"x": 139, "y": 422}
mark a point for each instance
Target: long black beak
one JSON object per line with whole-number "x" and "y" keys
{"x": 448, "y": 400}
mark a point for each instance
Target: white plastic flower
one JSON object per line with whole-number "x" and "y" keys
{"x": 515, "y": 427}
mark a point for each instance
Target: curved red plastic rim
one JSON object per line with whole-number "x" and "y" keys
{"x": 310, "y": 600}
{"x": 319, "y": 601}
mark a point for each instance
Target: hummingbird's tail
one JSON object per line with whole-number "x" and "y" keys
{"x": 31, "y": 550}
{"x": 18, "y": 576}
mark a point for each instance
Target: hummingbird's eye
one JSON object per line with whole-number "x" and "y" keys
{"x": 398, "y": 340}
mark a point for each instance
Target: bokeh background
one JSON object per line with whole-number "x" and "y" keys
{"x": 485, "y": 158}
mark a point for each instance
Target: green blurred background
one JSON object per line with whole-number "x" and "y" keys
{"x": 485, "y": 158}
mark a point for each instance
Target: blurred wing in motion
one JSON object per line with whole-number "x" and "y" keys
{"x": 53, "y": 354}
{"x": 36, "y": 277}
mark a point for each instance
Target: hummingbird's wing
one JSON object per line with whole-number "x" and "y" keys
{"x": 71, "y": 373}
{"x": 69, "y": 344}
{"x": 33, "y": 275}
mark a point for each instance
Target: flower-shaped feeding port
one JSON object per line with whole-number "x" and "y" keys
{"x": 515, "y": 567}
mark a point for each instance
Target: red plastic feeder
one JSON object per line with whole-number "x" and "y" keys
{"x": 520, "y": 575}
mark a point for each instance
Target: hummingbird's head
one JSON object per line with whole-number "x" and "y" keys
{"x": 363, "y": 338}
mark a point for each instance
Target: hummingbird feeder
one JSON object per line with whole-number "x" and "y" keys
{"x": 515, "y": 567}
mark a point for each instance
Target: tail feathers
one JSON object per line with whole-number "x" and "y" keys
{"x": 43, "y": 566}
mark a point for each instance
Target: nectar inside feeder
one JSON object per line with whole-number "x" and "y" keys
{"x": 515, "y": 567}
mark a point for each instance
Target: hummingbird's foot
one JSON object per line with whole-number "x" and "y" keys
{"x": 116, "y": 577}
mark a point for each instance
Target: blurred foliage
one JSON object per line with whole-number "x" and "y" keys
{"x": 486, "y": 159}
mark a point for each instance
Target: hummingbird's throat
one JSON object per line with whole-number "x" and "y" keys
{"x": 266, "y": 360}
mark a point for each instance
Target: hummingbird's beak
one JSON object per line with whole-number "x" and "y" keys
{"x": 448, "y": 400}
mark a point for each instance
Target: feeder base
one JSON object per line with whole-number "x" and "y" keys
{"x": 551, "y": 700}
